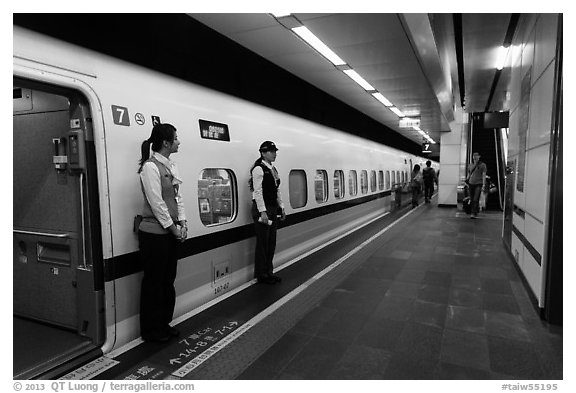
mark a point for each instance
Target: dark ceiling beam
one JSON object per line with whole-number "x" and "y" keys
{"x": 507, "y": 42}
{"x": 458, "y": 38}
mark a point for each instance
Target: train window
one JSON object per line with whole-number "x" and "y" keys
{"x": 321, "y": 186}
{"x": 338, "y": 184}
{"x": 372, "y": 181}
{"x": 216, "y": 196}
{"x": 298, "y": 188}
{"x": 381, "y": 180}
{"x": 387, "y": 180}
{"x": 364, "y": 182}
{"x": 353, "y": 183}
{"x": 398, "y": 177}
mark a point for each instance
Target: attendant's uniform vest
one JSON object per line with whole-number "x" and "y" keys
{"x": 149, "y": 222}
{"x": 269, "y": 188}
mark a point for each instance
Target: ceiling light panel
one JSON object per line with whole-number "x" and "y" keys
{"x": 397, "y": 111}
{"x": 318, "y": 45}
{"x": 358, "y": 79}
{"x": 501, "y": 57}
{"x": 382, "y": 99}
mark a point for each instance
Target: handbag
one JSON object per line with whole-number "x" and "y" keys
{"x": 482, "y": 201}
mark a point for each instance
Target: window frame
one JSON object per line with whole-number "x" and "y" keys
{"x": 342, "y": 181}
{"x": 234, "y": 204}
{"x": 355, "y": 188}
{"x": 364, "y": 175}
{"x": 381, "y": 180}
{"x": 290, "y": 188}
{"x": 373, "y": 181}
{"x": 326, "y": 195}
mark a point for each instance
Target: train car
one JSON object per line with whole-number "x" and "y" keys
{"x": 78, "y": 123}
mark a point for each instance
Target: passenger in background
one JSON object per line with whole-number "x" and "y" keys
{"x": 267, "y": 206}
{"x": 162, "y": 227}
{"x": 476, "y": 181}
{"x": 429, "y": 177}
{"x": 416, "y": 184}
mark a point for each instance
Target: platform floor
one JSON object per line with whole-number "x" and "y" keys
{"x": 426, "y": 293}
{"x": 440, "y": 299}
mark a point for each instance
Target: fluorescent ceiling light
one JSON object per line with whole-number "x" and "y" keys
{"x": 280, "y": 14}
{"x": 502, "y": 54}
{"x": 416, "y": 128}
{"x": 397, "y": 111}
{"x": 382, "y": 99}
{"x": 358, "y": 79}
{"x": 317, "y": 44}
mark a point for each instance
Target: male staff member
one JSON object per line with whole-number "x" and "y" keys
{"x": 267, "y": 205}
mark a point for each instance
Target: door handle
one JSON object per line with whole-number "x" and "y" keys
{"x": 57, "y": 235}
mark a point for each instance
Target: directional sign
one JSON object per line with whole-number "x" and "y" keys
{"x": 426, "y": 147}
{"x": 214, "y": 131}
{"x": 145, "y": 370}
{"x": 193, "y": 344}
{"x": 407, "y": 122}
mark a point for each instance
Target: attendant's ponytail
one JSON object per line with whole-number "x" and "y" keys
{"x": 145, "y": 153}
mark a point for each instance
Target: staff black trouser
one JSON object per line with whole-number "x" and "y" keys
{"x": 159, "y": 255}
{"x": 265, "y": 243}
{"x": 428, "y": 190}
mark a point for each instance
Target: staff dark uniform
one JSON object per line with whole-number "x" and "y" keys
{"x": 266, "y": 206}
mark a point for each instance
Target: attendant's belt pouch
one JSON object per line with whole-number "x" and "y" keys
{"x": 137, "y": 221}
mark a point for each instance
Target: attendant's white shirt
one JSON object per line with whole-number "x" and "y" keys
{"x": 257, "y": 195}
{"x": 150, "y": 177}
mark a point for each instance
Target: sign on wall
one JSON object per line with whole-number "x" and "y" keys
{"x": 214, "y": 131}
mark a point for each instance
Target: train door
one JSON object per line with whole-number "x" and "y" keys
{"x": 57, "y": 287}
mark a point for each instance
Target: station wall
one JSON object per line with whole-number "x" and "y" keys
{"x": 531, "y": 87}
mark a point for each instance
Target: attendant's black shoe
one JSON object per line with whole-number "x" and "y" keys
{"x": 266, "y": 280}
{"x": 161, "y": 338}
{"x": 173, "y": 332}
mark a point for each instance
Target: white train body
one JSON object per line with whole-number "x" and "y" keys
{"x": 115, "y": 90}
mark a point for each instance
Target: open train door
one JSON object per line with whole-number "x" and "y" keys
{"x": 58, "y": 287}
